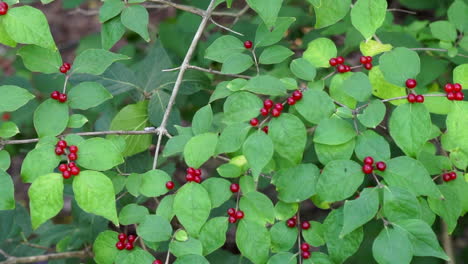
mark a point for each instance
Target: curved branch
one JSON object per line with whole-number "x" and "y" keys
{"x": 33, "y": 259}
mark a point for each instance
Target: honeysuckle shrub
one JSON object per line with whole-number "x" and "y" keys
{"x": 264, "y": 132}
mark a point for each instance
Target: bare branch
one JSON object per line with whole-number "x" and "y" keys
{"x": 402, "y": 11}
{"x": 41, "y": 258}
{"x": 225, "y": 28}
{"x": 436, "y": 49}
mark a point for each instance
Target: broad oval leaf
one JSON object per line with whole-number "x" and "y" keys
{"x": 7, "y": 191}
{"x": 213, "y": 234}
{"x": 296, "y": 184}
{"x": 392, "y": 246}
{"x": 192, "y": 207}
{"x": 99, "y": 154}
{"x": 257, "y": 208}
{"x": 104, "y": 248}
{"x": 368, "y": 15}
{"x": 154, "y": 228}
{"x": 315, "y": 106}
{"x": 289, "y": 137}
{"x": 408, "y": 65}
{"x": 45, "y": 198}
{"x": 253, "y": 241}
{"x": 199, "y": 149}
{"x": 86, "y": 61}
{"x": 258, "y": 150}
{"x": 320, "y": 51}
{"x": 13, "y": 97}
{"x": 47, "y": 111}
{"x": 88, "y": 94}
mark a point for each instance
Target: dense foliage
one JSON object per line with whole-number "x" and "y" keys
{"x": 315, "y": 131}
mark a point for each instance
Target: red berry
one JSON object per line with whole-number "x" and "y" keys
{"x": 3, "y": 8}
{"x": 294, "y": 217}
{"x": 340, "y": 60}
{"x": 369, "y": 59}
{"x": 62, "y": 98}
{"x": 122, "y": 237}
{"x": 368, "y": 160}
{"x": 131, "y": 238}
{"x": 446, "y": 177}
{"x": 6, "y": 116}
{"x": 279, "y": 106}
{"x": 333, "y": 62}
{"x": 197, "y": 179}
{"x": 232, "y": 219}
{"x": 67, "y": 65}
{"x": 66, "y": 174}
{"x": 268, "y": 103}
{"x": 254, "y": 122}
{"x": 120, "y": 245}
{"x": 381, "y": 166}
{"x": 305, "y": 254}
{"x": 411, "y": 83}
{"x": 411, "y": 98}
{"x": 448, "y": 87}
{"x": 248, "y": 44}
{"x": 457, "y": 87}
{"x": 297, "y": 95}
{"x": 368, "y": 66}
{"x": 55, "y": 95}
{"x": 347, "y": 68}
{"x": 305, "y": 246}
{"x": 264, "y": 112}
{"x": 189, "y": 177}
{"x": 275, "y": 112}
{"x": 197, "y": 173}
{"x": 451, "y": 96}
{"x": 157, "y": 261}
{"x": 291, "y": 223}
{"x": 74, "y": 171}
{"x": 420, "y": 98}
{"x": 367, "y": 169}
{"x": 170, "y": 185}
{"x": 72, "y": 156}
{"x": 128, "y": 246}
{"x": 190, "y": 171}
{"x": 71, "y": 164}
{"x": 234, "y": 187}
{"x": 239, "y": 215}
{"x": 305, "y": 225}
{"x": 63, "y": 167}
{"x": 291, "y": 101}
{"x": 59, "y": 151}
{"x": 453, "y": 175}
{"x": 363, "y": 60}
{"x": 73, "y": 149}
{"x": 341, "y": 68}
{"x": 265, "y": 129}
{"x": 231, "y": 212}
{"x": 61, "y": 144}
{"x": 62, "y": 69}
{"x": 459, "y": 96}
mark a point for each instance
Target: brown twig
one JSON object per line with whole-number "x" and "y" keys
{"x": 34, "y": 259}
{"x": 447, "y": 242}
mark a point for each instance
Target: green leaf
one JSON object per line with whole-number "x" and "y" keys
{"x": 444, "y": 31}
{"x": 28, "y": 25}
{"x": 267, "y": 9}
{"x": 224, "y": 47}
{"x": 132, "y": 214}
{"x": 165, "y": 207}
{"x": 133, "y": 117}
{"x": 358, "y": 86}
{"x": 314, "y": 235}
{"x": 232, "y": 137}
{"x": 266, "y": 35}
{"x": 217, "y": 190}
{"x": 8, "y": 129}
{"x": 373, "y": 114}
{"x": 45, "y": 198}
{"x": 110, "y": 9}
{"x": 175, "y": 145}
{"x": 275, "y": 54}
{"x": 284, "y": 210}
{"x": 368, "y": 15}
{"x": 136, "y": 18}
{"x": 410, "y": 126}
{"x": 408, "y": 65}
{"x": 410, "y": 174}
{"x": 392, "y": 246}
{"x": 153, "y": 183}
{"x": 229, "y": 170}
{"x": 303, "y": 69}
{"x": 323, "y": 106}
{"x": 253, "y": 241}
{"x": 381, "y": 88}
{"x": 5, "y": 39}
{"x": 86, "y": 61}
{"x": 457, "y": 15}
{"x": 333, "y": 131}
{"x": 460, "y": 75}
{"x": 422, "y": 238}
{"x": 327, "y": 153}
{"x": 39, "y": 59}
{"x": 266, "y": 84}
{"x": 319, "y": 258}
{"x": 258, "y": 150}
{"x": 296, "y": 184}
{"x": 111, "y": 32}
{"x": 339, "y": 180}
{"x": 13, "y": 97}
{"x": 38, "y": 162}
{"x": 400, "y": 204}
{"x": 191, "y": 259}
{"x": 136, "y": 256}
{"x": 77, "y": 121}
{"x": 320, "y": 51}
{"x": 104, "y": 248}
{"x": 372, "y": 47}
{"x": 88, "y": 94}
{"x": 191, "y": 246}
{"x": 241, "y": 107}
{"x": 7, "y": 191}
{"x": 192, "y": 207}
{"x": 448, "y": 208}
{"x": 199, "y": 149}
{"x": 98, "y": 154}
{"x": 361, "y": 210}
{"x": 329, "y": 12}
{"x": 221, "y": 91}
{"x": 237, "y": 63}
{"x": 283, "y": 258}
{"x": 51, "y": 110}
{"x": 283, "y": 237}
{"x": 289, "y": 137}
{"x": 372, "y": 144}
{"x": 257, "y": 208}
{"x": 202, "y": 120}
{"x": 5, "y": 160}
{"x": 95, "y": 194}
{"x": 213, "y": 234}
{"x": 154, "y": 228}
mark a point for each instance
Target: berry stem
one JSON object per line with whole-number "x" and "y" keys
{"x": 255, "y": 60}
{"x": 65, "y": 83}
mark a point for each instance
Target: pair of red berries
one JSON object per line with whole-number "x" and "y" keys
{"x": 413, "y": 98}
{"x": 193, "y": 175}
{"x": 296, "y": 96}
{"x": 248, "y": 44}
{"x": 125, "y": 242}
{"x": 234, "y": 188}
{"x": 3, "y": 8}
{"x": 454, "y": 92}
{"x": 234, "y": 215}
{"x": 305, "y": 247}
{"x": 368, "y": 168}
{"x": 338, "y": 62}
{"x": 292, "y": 222}
{"x": 449, "y": 176}
{"x": 366, "y": 61}
{"x": 65, "y": 67}
{"x": 61, "y": 97}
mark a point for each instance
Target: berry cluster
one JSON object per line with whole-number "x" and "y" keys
{"x": 170, "y": 185}
{"x": 65, "y": 67}
{"x": 3, "y": 8}
{"x": 305, "y": 247}
{"x": 449, "y": 176}
{"x": 366, "y": 61}
{"x": 157, "y": 261}
{"x": 234, "y": 188}
{"x": 248, "y": 44}
{"x": 292, "y": 222}
{"x": 67, "y": 169}
{"x": 234, "y": 215}
{"x": 61, "y": 97}
{"x": 125, "y": 242}
{"x": 368, "y": 168}
{"x": 193, "y": 175}
{"x": 338, "y": 62}
{"x": 413, "y": 98}
{"x": 454, "y": 92}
